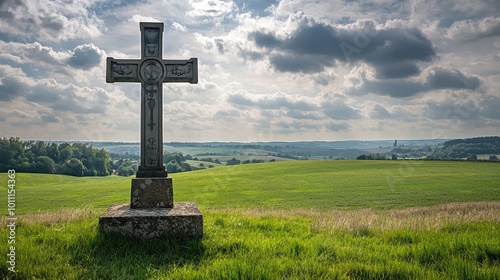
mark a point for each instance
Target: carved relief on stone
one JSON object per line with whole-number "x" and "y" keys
{"x": 151, "y": 151}
{"x": 180, "y": 70}
{"x": 123, "y": 70}
{"x": 177, "y": 71}
{"x": 151, "y": 91}
{"x": 151, "y": 71}
{"x": 151, "y": 41}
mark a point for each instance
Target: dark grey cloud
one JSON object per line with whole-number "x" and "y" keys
{"x": 393, "y": 88}
{"x": 392, "y": 52}
{"x": 441, "y": 78}
{"x": 436, "y": 79}
{"x": 85, "y": 57}
{"x": 397, "y": 70}
{"x": 299, "y": 63}
{"x": 11, "y": 88}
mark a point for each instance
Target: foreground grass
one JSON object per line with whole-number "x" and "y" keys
{"x": 452, "y": 241}
{"x": 320, "y": 185}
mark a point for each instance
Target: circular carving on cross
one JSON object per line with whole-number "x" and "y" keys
{"x": 151, "y": 71}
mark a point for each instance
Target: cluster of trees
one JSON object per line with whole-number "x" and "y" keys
{"x": 209, "y": 160}
{"x": 374, "y": 157}
{"x": 233, "y": 161}
{"x": 77, "y": 159}
{"x": 494, "y": 140}
{"x": 176, "y": 162}
{"x": 283, "y": 155}
{"x": 125, "y": 167}
{"x": 468, "y": 148}
{"x": 252, "y": 161}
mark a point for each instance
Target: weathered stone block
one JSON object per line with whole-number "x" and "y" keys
{"x": 152, "y": 193}
{"x": 183, "y": 221}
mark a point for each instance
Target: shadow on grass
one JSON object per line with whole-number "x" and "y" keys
{"x": 112, "y": 256}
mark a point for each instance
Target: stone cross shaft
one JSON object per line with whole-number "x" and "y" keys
{"x": 151, "y": 71}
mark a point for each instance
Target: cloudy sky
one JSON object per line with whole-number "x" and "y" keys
{"x": 284, "y": 70}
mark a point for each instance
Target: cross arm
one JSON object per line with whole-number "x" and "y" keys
{"x": 181, "y": 71}
{"x": 122, "y": 70}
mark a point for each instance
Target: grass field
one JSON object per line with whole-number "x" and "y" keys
{"x": 292, "y": 220}
{"x": 320, "y": 185}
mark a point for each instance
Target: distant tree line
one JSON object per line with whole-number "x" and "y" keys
{"x": 468, "y": 148}
{"x": 494, "y": 140}
{"x": 372, "y": 157}
{"x": 77, "y": 159}
{"x": 283, "y": 155}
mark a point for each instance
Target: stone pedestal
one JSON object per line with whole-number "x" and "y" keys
{"x": 152, "y": 213}
{"x": 152, "y": 193}
{"x": 183, "y": 221}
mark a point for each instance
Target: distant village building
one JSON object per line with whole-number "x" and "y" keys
{"x": 395, "y": 143}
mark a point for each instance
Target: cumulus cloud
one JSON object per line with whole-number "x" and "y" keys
{"x": 490, "y": 107}
{"x": 469, "y": 30}
{"x": 295, "y": 107}
{"x": 32, "y": 54}
{"x": 69, "y": 98}
{"x": 85, "y": 56}
{"x": 140, "y": 18}
{"x": 179, "y": 27}
{"x": 287, "y": 69}
{"x": 277, "y": 100}
{"x": 48, "y": 20}
{"x": 210, "y": 8}
{"x": 379, "y": 112}
{"x": 258, "y": 7}
{"x": 11, "y": 88}
{"x": 441, "y": 78}
{"x": 338, "y": 110}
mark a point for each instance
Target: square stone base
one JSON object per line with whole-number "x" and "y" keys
{"x": 183, "y": 221}
{"x": 152, "y": 193}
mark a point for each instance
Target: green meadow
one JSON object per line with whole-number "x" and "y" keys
{"x": 320, "y": 185}
{"x": 280, "y": 220}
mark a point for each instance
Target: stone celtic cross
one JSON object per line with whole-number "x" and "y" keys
{"x": 152, "y": 212}
{"x": 151, "y": 71}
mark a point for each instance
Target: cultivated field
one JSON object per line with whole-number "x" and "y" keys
{"x": 298, "y": 220}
